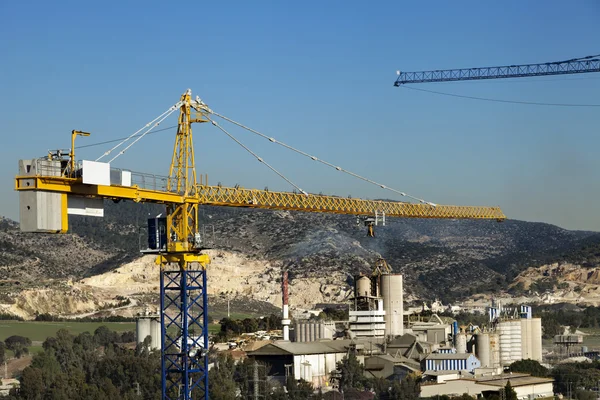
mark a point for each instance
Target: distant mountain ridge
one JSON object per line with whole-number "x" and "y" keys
{"x": 439, "y": 258}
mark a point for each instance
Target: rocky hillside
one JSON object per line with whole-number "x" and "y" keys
{"x": 446, "y": 259}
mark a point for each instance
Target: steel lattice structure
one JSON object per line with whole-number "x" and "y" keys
{"x": 574, "y": 66}
{"x": 184, "y": 327}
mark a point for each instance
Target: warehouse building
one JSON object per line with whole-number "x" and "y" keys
{"x": 525, "y": 386}
{"x": 450, "y": 362}
{"x": 312, "y": 361}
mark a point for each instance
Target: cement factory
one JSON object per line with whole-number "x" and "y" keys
{"x": 451, "y": 359}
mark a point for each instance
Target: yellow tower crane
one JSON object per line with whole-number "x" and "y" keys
{"x": 54, "y": 186}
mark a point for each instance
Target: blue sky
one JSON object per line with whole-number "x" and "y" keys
{"x": 319, "y": 76}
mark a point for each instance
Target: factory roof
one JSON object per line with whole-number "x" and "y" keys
{"x": 398, "y": 360}
{"x": 449, "y": 356}
{"x": 297, "y": 348}
{"x": 405, "y": 340}
{"x": 515, "y": 380}
{"x": 428, "y": 325}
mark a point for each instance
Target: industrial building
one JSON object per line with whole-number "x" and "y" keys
{"x": 312, "y": 331}
{"x": 148, "y": 325}
{"x": 312, "y": 361}
{"x": 450, "y": 362}
{"x": 377, "y": 309}
{"x": 526, "y": 386}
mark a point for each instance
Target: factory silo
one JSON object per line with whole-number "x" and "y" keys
{"x": 155, "y": 334}
{"x": 362, "y": 286}
{"x": 536, "y": 339}
{"x": 392, "y": 293}
{"x": 461, "y": 343}
{"x": 482, "y": 348}
{"x": 526, "y": 335}
{"x": 510, "y": 341}
{"x": 494, "y": 350}
{"x": 142, "y": 329}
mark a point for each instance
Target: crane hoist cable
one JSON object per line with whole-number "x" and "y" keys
{"x": 118, "y": 139}
{"x": 337, "y": 168}
{"x": 260, "y": 159}
{"x": 534, "y": 103}
{"x": 143, "y": 134}
{"x": 137, "y": 133}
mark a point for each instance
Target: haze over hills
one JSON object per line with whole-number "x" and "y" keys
{"x": 448, "y": 259}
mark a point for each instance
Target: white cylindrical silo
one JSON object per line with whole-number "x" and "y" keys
{"x": 155, "y": 333}
{"x": 142, "y": 329}
{"x": 363, "y": 286}
{"x": 494, "y": 350}
{"x": 536, "y": 339}
{"x": 391, "y": 291}
{"x": 516, "y": 351}
{"x": 461, "y": 343}
{"x": 526, "y": 345}
{"x": 482, "y": 346}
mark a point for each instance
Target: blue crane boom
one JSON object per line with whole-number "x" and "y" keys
{"x": 572, "y": 66}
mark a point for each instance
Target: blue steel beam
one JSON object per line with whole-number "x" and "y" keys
{"x": 184, "y": 333}
{"x": 575, "y": 66}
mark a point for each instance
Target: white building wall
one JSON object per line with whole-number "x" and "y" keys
{"x": 471, "y": 387}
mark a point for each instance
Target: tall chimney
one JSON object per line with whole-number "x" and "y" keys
{"x": 286, "y": 317}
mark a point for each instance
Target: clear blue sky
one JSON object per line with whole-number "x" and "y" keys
{"x": 318, "y": 75}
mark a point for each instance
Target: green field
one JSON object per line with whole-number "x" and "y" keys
{"x": 39, "y": 331}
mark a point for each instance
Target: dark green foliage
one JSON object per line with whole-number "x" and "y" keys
{"x": 552, "y": 320}
{"x": 18, "y": 345}
{"x": 298, "y": 390}
{"x": 53, "y": 318}
{"x": 90, "y": 367}
{"x": 334, "y": 314}
{"x": 509, "y": 392}
{"x": 231, "y": 327}
{"x": 531, "y": 367}
{"x": 583, "y": 376}
{"x": 351, "y": 373}
{"x": 10, "y": 317}
{"x": 221, "y": 379}
{"x": 2, "y": 353}
{"x": 586, "y": 395}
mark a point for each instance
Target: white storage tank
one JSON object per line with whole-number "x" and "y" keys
{"x": 510, "y": 341}
{"x": 148, "y": 326}
{"x": 526, "y": 336}
{"x": 482, "y": 347}
{"x": 536, "y": 339}
{"x": 392, "y": 293}
{"x": 362, "y": 286}
{"x": 494, "y": 350}
{"x": 461, "y": 343}
{"x": 155, "y": 334}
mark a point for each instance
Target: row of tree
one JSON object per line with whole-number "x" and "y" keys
{"x": 232, "y": 327}
{"x": 579, "y": 380}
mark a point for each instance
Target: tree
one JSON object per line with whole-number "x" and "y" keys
{"x": 18, "y": 345}
{"x": 509, "y": 392}
{"x": 531, "y": 367}
{"x": 298, "y": 390}
{"x": 351, "y": 373}
{"x": 2, "y": 352}
{"x": 220, "y": 378}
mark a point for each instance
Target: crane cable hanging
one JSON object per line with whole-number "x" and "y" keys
{"x": 172, "y": 110}
{"x": 137, "y": 133}
{"x": 260, "y": 159}
{"x": 273, "y": 140}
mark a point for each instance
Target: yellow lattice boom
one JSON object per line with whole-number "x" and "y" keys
{"x": 252, "y": 198}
